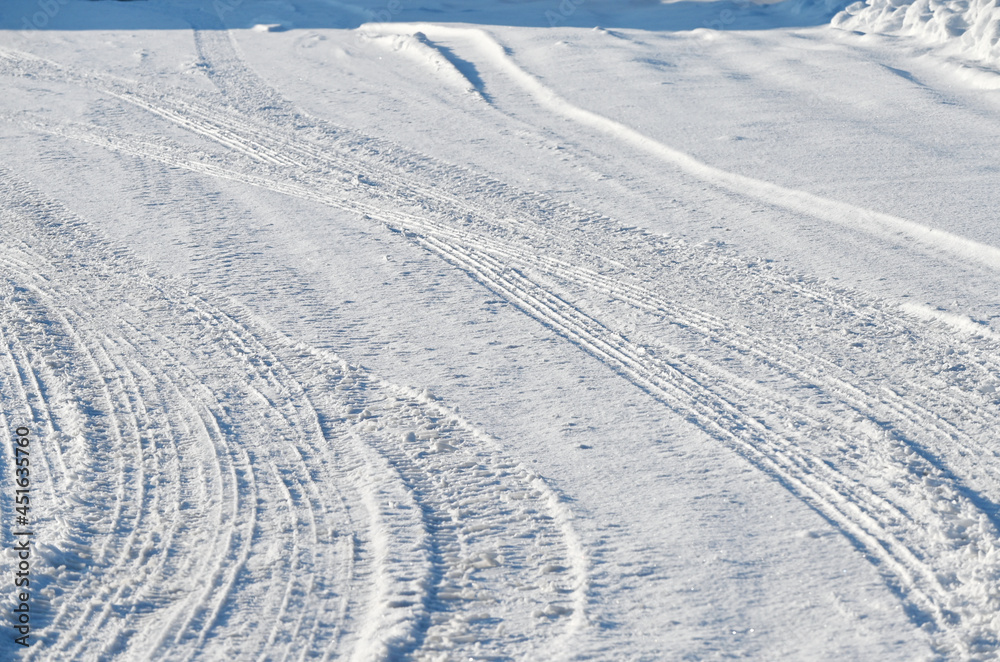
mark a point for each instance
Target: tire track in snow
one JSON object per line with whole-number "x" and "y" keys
{"x": 110, "y": 373}
{"x": 210, "y": 128}
{"x": 884, "y": 226}
{"x": 438, "y": 629}
{"x": 717, "y": 416}
{"x": 772, "y": 352}
{"x": 803, "y": 203}
{"x": 950, "y": 534}
{"x": 903, "y": 557}
{"x": 140, "y": 482}
{"x": 895, "y": 523}
{"x": 123, "y": 508}
{"x": 424, "y": 584}
{"x": 433, "y": 630}
{"x": 881, "y": 524}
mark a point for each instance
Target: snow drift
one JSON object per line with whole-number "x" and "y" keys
{"x": 967, "y": 27}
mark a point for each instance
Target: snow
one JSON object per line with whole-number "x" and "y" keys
{"x": 502, "y": 330}
{"x": 969, "y": 29}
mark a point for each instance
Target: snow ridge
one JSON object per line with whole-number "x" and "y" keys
{"x": 802, "y": 202}
{"x": 421, "y": 50}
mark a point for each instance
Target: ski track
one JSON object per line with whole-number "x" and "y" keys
{"x": 854, "y": 448}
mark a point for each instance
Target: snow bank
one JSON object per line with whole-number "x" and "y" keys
{"x": 967, "y": 27}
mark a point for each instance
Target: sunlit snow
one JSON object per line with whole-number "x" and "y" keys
{"x": 506, "y": 330}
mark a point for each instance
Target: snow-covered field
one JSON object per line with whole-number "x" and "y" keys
{"x": 509, "y": 329}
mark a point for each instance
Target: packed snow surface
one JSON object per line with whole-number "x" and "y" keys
{"x": 536, "y": 330}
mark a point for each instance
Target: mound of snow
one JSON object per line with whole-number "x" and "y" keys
{"x": 269, "y": 27}
{"x": 968, "y": 27}
{"x": 418, "y": 48}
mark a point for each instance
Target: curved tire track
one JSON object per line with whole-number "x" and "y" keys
{"x": 932, "y": 535}
{"x": 221, "y": 449}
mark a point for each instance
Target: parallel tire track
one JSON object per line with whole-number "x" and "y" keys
{"x": 221, "y": 446}
{"x": 933, "y": 536}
